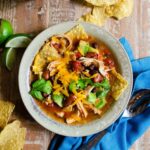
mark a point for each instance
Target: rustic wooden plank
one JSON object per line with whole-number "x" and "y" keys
{"x": 128, "y": 28}
{"x": 26, "y": 17}
{"x": 31, "y": 16}
{"x": 144, "y": 28}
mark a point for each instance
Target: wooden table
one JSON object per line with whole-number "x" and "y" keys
{"x": 34, "y": 16}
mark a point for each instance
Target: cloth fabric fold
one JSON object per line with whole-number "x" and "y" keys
{"x": 125, "y": 131}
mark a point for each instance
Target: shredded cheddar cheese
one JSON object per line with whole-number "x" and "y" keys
{"x": 93, "y": 76}
{"x": 86, "y": 73}
{"x": 63, "y": 76}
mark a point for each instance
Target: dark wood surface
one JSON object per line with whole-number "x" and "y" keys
{"x": 33, "y": 16}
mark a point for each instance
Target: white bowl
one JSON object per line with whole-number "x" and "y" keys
{"x": 92, "y": 127}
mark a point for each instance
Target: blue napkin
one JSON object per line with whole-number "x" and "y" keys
{"x": 125, "y": 131}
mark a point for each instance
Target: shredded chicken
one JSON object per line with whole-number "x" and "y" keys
{"x": 98, "y": 63}
{"x": 88, "y": 90}
{"x": 48, "y": 100}
{"x": 70, "y": 120}
{"x": 73, "y": 118}
{"x": 82, "y": 108}
{"x": 68, "y": 108}
{"x": 60, "y": 114}
{"x": 96, "y": 111}
{"x": 52, "y": 67}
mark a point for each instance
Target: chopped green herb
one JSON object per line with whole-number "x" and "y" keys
{"x": 101, "y": 103}
{"x": 92, "y": 98}
{"x": 72, "y": 86}
{"x": 36, "y": 94}
{"x": 58, "y": 99}
{"x": 88, "y": 81}
{"x": 102, "y": 94}
{"x": 42, "y": 86}
{"x": 105, "y": 84}
{"x": 83, "y": 47}
{"x": 37, "y": 83}
{"x": 47, "y": 88}
{"x": 91, "y": 49}
{"x": 81, "y": 84}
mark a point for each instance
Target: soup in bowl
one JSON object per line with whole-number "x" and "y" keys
{"x": 75, "y": 79}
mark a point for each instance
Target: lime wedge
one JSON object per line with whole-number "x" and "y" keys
{"x": 8, "y": 57}
{"x": 18, "y": 41}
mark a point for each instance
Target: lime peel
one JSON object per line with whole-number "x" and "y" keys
{"x": 18, "y": 41}
{"x": 9, "y": 57}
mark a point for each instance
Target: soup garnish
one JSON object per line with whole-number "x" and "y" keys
{"x": 74, "y": 77}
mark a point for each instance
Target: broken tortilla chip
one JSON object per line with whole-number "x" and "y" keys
{"x": 98, "y": 16}
{"x": 6, "y": 108}
{"x": 42, "y": 57}
{"x": 12, "y": 137}
{"x": 47, "y": 52}
{"x": 77, "y": 33}
{"x": 121, "y": 9}
{"x": 118, "y": 84}
{"x": 101, "y": 2}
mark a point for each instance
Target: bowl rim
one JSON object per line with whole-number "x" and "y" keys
{"x": 20, "y": 80}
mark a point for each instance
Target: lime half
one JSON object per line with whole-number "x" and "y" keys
{"x": 18, "y": 41}
{"x": 8, "y": 57}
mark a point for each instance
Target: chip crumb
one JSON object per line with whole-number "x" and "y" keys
{"x": 77, "y": 33}
{"x": 6, "y": 109}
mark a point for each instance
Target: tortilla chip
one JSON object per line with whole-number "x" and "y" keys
{"x": 121, "y": 9}
{"x": 6, "y": 108}
{"x": 21, "y": 138}
{"x": 118, "y": 84}
{"x": 43, "y": 56}
{"x": 12, "y": 137}
{"x": 48, "y": 53}
{"x": 77, "y": 33}
{"x": 101, "y": 2}
{"x": 98, "y": 16}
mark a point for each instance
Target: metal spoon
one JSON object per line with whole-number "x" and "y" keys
{"x": 137, "y": 104}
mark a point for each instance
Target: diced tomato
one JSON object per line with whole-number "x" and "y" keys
{"x": 76, "y": 65}
{"x": 78, "y": 55}
{"x": 98, "y": 78}
{"x": 92, "y": 55}
{"x": 109, "y": 62}
{"x": 56, "y": 45}
{"x": 100, "y": 57}
{"x": 106, "y": 52}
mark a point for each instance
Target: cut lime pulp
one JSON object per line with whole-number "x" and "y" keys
{"x": 8, "y": 57}
{"x": 18, "y": 41}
